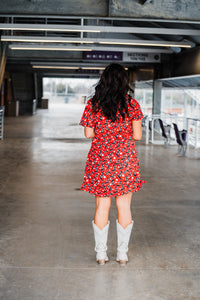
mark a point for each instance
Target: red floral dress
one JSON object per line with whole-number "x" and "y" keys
{"x": 112, "y": 166}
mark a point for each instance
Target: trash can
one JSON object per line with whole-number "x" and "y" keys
{"x": 27, "y": 107}
{"x": 45, "y": 103}
{"x": 12, "y": 109}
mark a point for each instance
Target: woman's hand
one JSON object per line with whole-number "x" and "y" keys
{"x": 137, "y": 129}
{"x": 89, "y": 132}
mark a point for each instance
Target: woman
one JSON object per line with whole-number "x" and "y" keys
{"x": 112, "y": 119}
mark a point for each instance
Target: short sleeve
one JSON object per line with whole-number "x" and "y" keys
{"x": 135, "y": 112}
{"x": 88, "y": 117}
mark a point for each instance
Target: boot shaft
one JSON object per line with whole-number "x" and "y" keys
{"x": 101, "y": 237}
{"x": 123, "y": 236}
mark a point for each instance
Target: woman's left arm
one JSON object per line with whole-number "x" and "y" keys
{"x": 137, "y": 129}
{"x": 89, "y": 132}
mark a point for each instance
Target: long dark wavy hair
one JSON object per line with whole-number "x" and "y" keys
{"x": 111, "y": 92}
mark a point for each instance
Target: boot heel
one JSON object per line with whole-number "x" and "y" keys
{"x": 101, "y": 262}
{"x": 123, "y": 263}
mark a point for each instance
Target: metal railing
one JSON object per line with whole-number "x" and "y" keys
{"x": 193, "y": 129}
{"x": 1, "y": 122}
{"x": 153, "y": 130}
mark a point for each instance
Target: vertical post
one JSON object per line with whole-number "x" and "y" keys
{"x": 185, "y": 110}
{"x": 147, "y": 130}
{"x": 152, "y": 130}
{"x": 12, "y": 21}
{"x": 196, "y": 133}
{"x": 197, "y": 110}
{"x": 51, "y": 87}
{"x": 171, "y": 102}
{"x": 144, "y": 100}
{"x": 82, "y": 24}
{"x": 3, "y": 62}
{"x": 157, "y": 88}
{"x": 188, "y": 132}
{"x": 39, "y": 90}
{"x": 163, "y": 102}
{"x": 35, "y": 86}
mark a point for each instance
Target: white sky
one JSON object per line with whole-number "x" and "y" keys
{"x": 88, "y": 82}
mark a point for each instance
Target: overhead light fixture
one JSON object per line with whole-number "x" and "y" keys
{"x": 92, "y": 68}
{"x": 95, "y": 68}
{"x": 147, "y": 43}
{"x": 55, "y": 67}
{"x": 100, "y": 41}
{"x": 93, "y": 48}
{"x": 36, "y": 39}
{"x": 48, "y": 27}
{"x": 68, "y": 67}
{"x": 51, "y": 48}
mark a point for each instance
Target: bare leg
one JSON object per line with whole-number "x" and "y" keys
{"x": 123, "y": 204}
{"x": 102, "y": 211}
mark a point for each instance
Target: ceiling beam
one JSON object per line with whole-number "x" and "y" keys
{"x": 15, "y": 16}
{"x": 113, "y": 29}
{"x": 129, "y": 42}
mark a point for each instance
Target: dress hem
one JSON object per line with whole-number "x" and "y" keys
{"x": 116, "y": 194}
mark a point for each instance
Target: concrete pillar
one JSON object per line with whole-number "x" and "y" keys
{"x": 157, "y": 89}
{"x": 23, "y": 90}
{"x": 35, "y": 86}
{"x": 39, "y": 90}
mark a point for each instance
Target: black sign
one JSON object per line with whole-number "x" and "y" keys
{"x": 103, "y": 55}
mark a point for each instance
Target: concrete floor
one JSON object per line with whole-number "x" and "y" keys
{"x": 47, "y": 245}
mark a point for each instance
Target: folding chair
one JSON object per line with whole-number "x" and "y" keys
{"x": 165, "y": 132}
{"x": 181, "y": 136}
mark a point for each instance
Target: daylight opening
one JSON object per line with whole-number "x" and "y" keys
{"x": 68, "y": 90}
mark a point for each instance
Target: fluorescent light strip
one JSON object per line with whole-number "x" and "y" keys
{"x": 68, "y": 68}
{"x": 154, "y": 44}
{"x": 55, "y": 67}
{"x": 92, "y": 68}
{"x": 98, "y": 41}
{"x": 30, "y": 47}
{"x": 43, "y": 40}
{"x": 95, "y": 68}
{"x": 93, "y": 48}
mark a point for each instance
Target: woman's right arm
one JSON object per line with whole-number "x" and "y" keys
{"x": 137, "y": 129}
{"x": 89, "y": 132}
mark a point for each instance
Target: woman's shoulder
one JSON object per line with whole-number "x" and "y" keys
{"x": 89, "y": 101}
{"x": 132, "y": 102}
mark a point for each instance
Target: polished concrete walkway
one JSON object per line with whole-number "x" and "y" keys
{"x": 47, "y": 245}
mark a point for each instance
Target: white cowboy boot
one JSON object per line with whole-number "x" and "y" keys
{"x": 101, "y": 237}
{"x": 123, "y": 237}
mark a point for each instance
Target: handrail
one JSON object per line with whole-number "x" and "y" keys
{"x": 192, "y": 125}
{"x": 168, "y": 119}
{"x": 193, "y": 132}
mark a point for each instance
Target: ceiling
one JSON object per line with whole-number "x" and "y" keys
{"x": 73, "y": 44}
{"x": 187, "y": 82}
